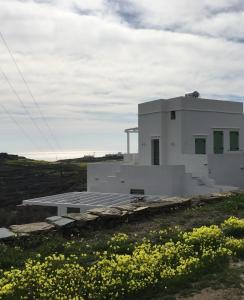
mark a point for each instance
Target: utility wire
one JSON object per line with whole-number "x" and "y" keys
{"x": 30, "y": 92}
{"x": 21, "y": 128}
{"x": 25, "y": 108}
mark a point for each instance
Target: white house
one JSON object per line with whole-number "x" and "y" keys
{"x": 187, "y": 146}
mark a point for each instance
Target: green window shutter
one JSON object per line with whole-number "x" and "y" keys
{"x": 218, "y": 142}
{"x": 200, "y": 146}
{"x": 234, "y": 140}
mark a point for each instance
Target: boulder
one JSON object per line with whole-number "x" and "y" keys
{"x": 107, "y": 212}
{"x": 166, "y": 204}
{"x": 132, "y": 210}
{"x": 213, "y": 198}
{"x": 82, "y": 216}
{"x": 131, "y": 207}
{"x": 222, "y": 194}
{"x": 32, "y": 228}
{"x": 83, "y": 219}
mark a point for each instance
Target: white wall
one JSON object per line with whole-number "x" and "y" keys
{"x": 202, "y": 124}
{"x": 159, "y": 124}
{"x": 174, "y": 139}
{"x": 227, "y": 169}
{"x": 150, "y": 125}
{"x": 97, "y": 172}
{"x": 194, "y": 118}
{"x": 132, "y": 158}
{"x": 197, "y": 165}
{"x": 178, "y": 161}
{"x": 155, "y": 180}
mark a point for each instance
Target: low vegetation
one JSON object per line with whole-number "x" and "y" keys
{"x": 121, "y": 272}
{"x": 161, "y": 257}
{"x": 22, "y": 178}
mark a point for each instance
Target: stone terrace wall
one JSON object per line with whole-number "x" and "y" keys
{"x": 99, "y": 218}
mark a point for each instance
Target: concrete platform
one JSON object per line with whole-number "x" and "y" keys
{"x": 85, "y": 201}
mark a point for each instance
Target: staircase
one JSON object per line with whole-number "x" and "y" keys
{"x": 203, "y": 186}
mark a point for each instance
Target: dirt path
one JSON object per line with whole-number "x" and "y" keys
{"x": 210, "y": 294}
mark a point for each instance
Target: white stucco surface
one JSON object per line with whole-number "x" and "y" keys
{"x": 159, "y": 180}
{"x": 180, "y": 171}
{"x": 194, "y": 118}
{"x": 227, "y": 169}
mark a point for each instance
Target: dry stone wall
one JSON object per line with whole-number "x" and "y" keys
{"x": 98, "y": 218}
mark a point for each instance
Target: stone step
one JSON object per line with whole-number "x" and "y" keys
{"x": 32, "y": 228}
{"x": 59, "y": 222}
{"x": 5, "y": 233}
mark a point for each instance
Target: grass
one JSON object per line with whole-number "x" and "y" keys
{"x": 186, "y": 219}
{"x": 14, "y": 254}
{"x": 22, "y": 179}
{"x": 217, "y": 279}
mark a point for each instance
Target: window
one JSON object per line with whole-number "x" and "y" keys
{"x": 71, "y": 210}
{"x": 137, "y": 191}
{"x": 155, "y": 152}
{"x": 218, "y": 142}
{"x": 172, "y": 115}
{"x": 234, "y": 140}
{"x": 200, "y": 146}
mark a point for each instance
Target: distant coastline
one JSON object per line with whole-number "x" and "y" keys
{"x": 59, "y": 155}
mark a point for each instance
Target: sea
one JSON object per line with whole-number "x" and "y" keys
{"x": 53, "y": 156}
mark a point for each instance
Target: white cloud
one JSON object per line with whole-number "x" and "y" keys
{"x": 90, "y": 62}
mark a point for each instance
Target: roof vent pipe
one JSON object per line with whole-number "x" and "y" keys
{"x": 195, "y": 94}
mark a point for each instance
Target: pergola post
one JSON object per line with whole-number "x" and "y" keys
{"x": 62, "y": 210}
{"x": 128, "y": 142}
{"x": 128, "y": 131}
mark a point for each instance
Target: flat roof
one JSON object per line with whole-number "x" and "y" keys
{"x": 88, "y": 199}
{"x": 190, "y": 103}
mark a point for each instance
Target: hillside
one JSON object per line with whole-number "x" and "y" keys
{"x": 22, "y": 178}
{"x": 195, "y": 253}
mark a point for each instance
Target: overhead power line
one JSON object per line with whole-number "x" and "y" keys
{"x": 21, "y": 128}
{"x": 30, "y": 92}
{"x": 25, "y": 108}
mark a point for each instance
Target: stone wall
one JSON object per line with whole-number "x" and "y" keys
{"x": 105, "y": 217}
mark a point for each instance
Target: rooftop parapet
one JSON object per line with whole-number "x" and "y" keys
{"x": 190, "y": 104}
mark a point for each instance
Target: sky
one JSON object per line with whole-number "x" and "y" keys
{"x": 88, "y": 63}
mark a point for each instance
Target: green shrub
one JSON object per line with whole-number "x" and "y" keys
{"x": 165, "y": 235}
{"x": 233, "y": 227}
{"x": 236, "y": 246}
{"x": 120, "y": 244}
{"x": 115, "y": 274}
{"x": 11, "y": 256}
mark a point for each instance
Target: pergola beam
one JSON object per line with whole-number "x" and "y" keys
{"x": 128, "y": 131}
